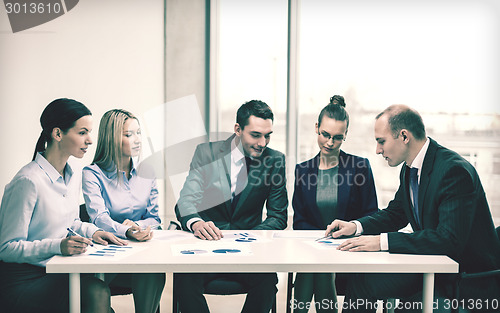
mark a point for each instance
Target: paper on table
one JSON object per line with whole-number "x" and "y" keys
{"x": 326, "y": 243}
{"x": 242, "y": 237}
{"x": 211, "y": 249}
{"x": 109, "y": 252}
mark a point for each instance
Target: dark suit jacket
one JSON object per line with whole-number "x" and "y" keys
{"x": 456, "y": 219}
{"x": 356, "y": 192}
{"x": 206, "y": 193}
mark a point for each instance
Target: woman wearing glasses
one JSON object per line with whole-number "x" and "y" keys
{"x": 332, "y": 185}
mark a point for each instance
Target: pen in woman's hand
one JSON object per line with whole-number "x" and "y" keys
{"x": 76, "y": 234}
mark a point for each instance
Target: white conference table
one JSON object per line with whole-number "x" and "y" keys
{"x": 273, "y": 251}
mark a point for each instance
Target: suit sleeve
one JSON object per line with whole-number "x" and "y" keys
{"x": 453, "y": 208}
{"x": 277, "y": 200}
{"x": 300, "y": 220}
{"x": 192, "y": 192}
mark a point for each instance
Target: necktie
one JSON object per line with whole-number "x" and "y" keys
{"x": 414, "y": 189}
{"x": 241, "y": 182}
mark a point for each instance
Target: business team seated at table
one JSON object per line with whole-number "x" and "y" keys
{"x": 229, "y": 183}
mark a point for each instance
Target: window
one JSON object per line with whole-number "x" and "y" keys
{"x": 439, "y": 58}
{"x": 252, "y": 61}
{"x": 436, "y": 58}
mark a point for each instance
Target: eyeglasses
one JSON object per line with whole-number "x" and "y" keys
{"x": 327, "y": 136}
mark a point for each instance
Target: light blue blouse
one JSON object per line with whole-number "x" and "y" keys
{"x": 110, "y": 201}
{"x": 37, "y": 207}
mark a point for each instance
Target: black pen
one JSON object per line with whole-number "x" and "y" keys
{"x": 76, "y": 234}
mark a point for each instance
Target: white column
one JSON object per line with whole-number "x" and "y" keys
{"x": 213, "y": 80}
{"x": 293, "y": 80}
{"x": 74, "y": 292}
{"x": 428, "y": 292}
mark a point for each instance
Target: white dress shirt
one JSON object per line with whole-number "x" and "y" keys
{"x": 237, "y": 163}
{"x": 37, "y": 207}
{"x": 110, "y": 200}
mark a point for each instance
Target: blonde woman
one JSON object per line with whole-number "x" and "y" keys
{"x": 122, "y": 202}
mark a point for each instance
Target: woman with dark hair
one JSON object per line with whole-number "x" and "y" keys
{"x": 332, "y": 185}
{"x": 122, "y": 201}
{"x": 38, "y": 207}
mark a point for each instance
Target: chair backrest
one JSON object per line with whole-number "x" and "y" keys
{"x": 225, "y": 287}
{"x": 84, "y": 216}
{"x": 174, "y": 226}
{"x": 115, "y": 290}
{"x": 498, "y": 232}
{"x": 221, "y": 286}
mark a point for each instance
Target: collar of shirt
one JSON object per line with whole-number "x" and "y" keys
{"x": 237, "y": 162}
{"x": 51, "y": 172}
{"x": 237, "y": 156}
{"x": 419, "y": 159}
{"x": 111, "y": 171}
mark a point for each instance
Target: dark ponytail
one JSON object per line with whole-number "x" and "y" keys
{"x": 40, "y": 144}
{"x": 61, "y": 113}
{"x": 335, "y": 109}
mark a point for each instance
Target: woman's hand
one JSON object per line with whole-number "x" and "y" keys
{"x": 128, "y": 222}
{"x": 74, "y": 245}
{"x": 136, "y": 233}
{"x": 103, "y": 237}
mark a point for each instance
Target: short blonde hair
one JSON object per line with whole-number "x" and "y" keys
{"x": 109, "y": 141}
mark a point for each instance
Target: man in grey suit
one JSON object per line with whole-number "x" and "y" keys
{"x": 226, "y": 189}
{"x": 441, "y": 196}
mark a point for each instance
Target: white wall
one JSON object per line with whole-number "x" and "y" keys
{"x": 185, "y": 65}
{"x": 104, "y": 53}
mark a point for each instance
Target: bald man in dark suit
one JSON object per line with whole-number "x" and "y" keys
{"x": 440, "y": 195}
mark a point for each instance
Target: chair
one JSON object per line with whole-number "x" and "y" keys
{"x": 219, "y": 286}
{"x": 84, "y": 215}
{"x": 115, "y": 290}
{"x": 471, "y": 278}
{"x": 340, "y": 287}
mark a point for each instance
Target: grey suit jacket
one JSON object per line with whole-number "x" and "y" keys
{"x": 456, "y": 219}
{"x": 206, "y": 193}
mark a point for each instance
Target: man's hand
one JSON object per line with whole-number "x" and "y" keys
{"x": 206, "y": 230}
{"x": 136, "y": 233}
{"x": 362, "y": 243}
{"x": 340, "y": 228}
{"x": 74, "y": 245}
{"x": 103, "y": 237}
